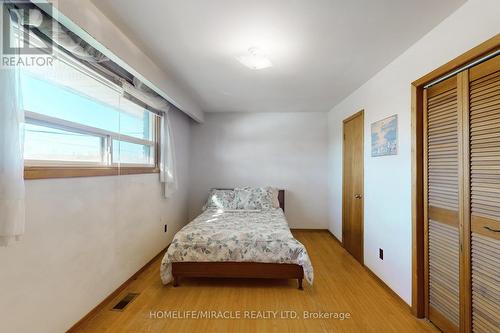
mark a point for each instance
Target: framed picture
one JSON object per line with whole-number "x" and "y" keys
{"x": 385, "y": 136}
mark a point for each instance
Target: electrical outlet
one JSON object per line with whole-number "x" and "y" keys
{"x": 165, "y": 228}
{"x": 381, "y": 254}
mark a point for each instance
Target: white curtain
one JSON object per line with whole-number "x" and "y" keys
{"x": 168, "y": 172}
{"x": 12, "y": 210}
{"x": 138, "y": 90}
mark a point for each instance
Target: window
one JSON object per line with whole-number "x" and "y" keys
{"x": 77, "y": 119}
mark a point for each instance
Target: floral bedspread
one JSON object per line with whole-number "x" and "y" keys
{"x": 237, "y": 235}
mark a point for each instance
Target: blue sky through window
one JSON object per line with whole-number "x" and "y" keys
{"x": 55, "y": 100}
{"x": 50, "y": 99}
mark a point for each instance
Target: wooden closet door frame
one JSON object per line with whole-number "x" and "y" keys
{"x": 419, "y": 183}
{"x": 361, "y": 114}
{"x": 464, "y": 202}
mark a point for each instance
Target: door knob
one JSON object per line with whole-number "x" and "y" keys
{"x": 357, "y": 196}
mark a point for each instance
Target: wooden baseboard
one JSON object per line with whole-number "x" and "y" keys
{"x": 306, "y": 229}
{"x": 335, "y": 237}
{"x": 386, "y": 287}
{"x": 115, "y": 293}
{"x": 376, "y": 278}
{"x": 322, "y": 230}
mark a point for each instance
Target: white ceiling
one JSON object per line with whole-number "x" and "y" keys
{"x": 321, "y": 50}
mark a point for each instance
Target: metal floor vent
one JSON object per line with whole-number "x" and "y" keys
{"x": 122, "y": 304}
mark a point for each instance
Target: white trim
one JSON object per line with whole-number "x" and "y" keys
{"x": 132, "y": 165}
{"x": 85, "y": 70}
{"x": 106, "y": 148}
{"x": 37, "y": 118}
{"x": 62, "y": 163}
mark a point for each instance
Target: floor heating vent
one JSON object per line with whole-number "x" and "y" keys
{"x": 122, "y": 304}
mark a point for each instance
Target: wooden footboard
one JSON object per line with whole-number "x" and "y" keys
{"x": 237, "y": 270}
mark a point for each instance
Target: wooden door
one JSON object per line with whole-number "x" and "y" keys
{"x": 484, "y": 120}
{"x": 352, "y": 192}
{"x": 441, "y": 172}
{"x": 462, "y": 197}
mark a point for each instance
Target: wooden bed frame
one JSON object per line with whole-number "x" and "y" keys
{"x": 229, "y": 269}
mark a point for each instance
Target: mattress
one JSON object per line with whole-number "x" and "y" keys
{"x": 236, "y": 236}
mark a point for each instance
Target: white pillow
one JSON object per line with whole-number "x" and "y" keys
{"x": 254, "y": 198}
{"x": 221, "y": 199}
{"x": 274, "y": 192}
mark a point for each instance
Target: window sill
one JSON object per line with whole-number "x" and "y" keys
{"x": 73, "y": 172}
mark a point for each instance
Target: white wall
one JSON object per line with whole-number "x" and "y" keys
{"x": 84, "y": 238}
{"x": 286, "y": 150}
{"x": 388, "y": 179}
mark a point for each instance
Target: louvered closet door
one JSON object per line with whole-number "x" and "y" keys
{"x": 442, "y": 268}
{"x": 484, "y": 88}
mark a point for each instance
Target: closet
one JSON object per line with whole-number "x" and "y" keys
{"x": 462, "y": 200}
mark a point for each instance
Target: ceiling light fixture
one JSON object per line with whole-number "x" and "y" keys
{"x": 255, "y": 59}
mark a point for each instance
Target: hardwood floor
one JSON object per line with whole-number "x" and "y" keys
{"x": 341, "y": 285}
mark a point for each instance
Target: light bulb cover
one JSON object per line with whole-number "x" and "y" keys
{"x": 255, "y": 59}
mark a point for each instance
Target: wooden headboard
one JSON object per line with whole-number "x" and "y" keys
{"x": 281, "y": 196}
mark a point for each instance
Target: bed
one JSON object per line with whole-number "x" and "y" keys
{"x": 226, "y": 243}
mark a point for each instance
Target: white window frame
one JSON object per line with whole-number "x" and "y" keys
{"x": 107, "y": 138}
{"x": 33, "y": 167}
